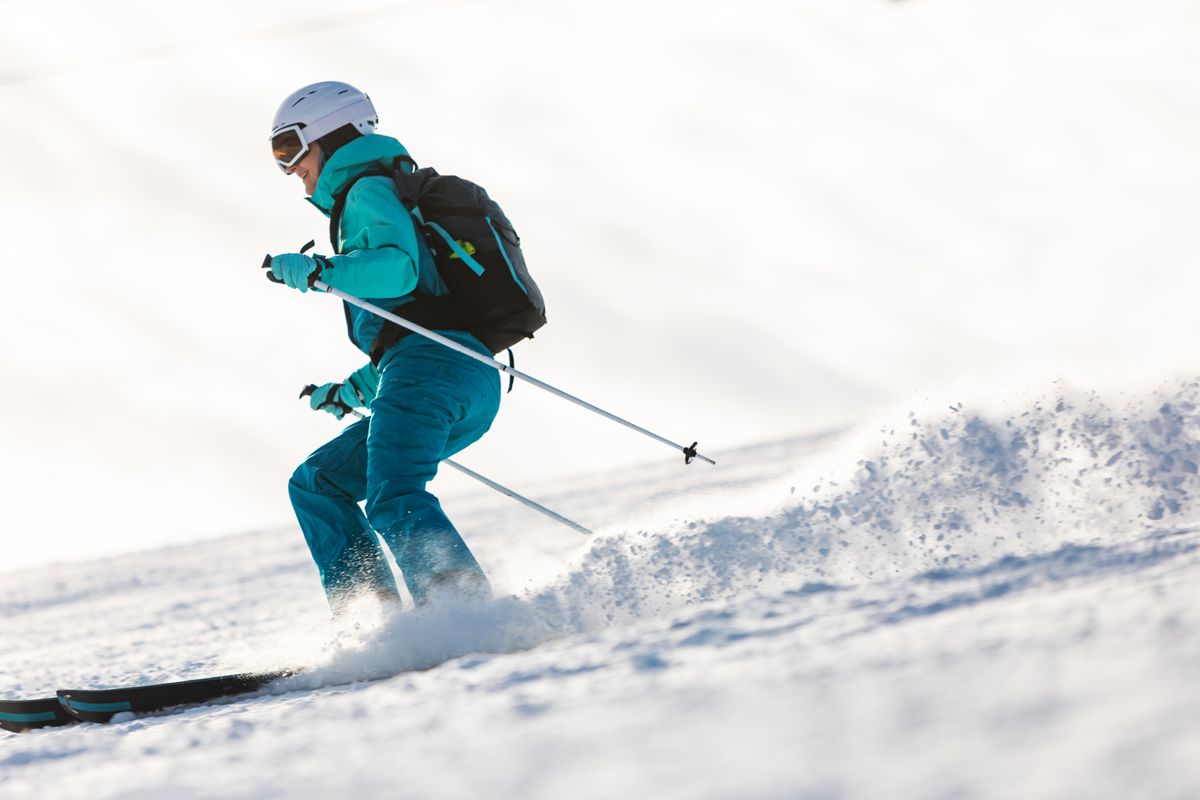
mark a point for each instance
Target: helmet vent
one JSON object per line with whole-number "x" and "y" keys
{"x": 325, "y": 106}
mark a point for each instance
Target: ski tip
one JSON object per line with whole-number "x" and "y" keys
{"x": 18, "y": 716}
{"x": 101, "y": 705}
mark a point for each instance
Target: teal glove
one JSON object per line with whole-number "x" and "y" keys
{"x": 296, "y": 270}
{"x": 338, "y": 399}
{"x": 357, "y": 391}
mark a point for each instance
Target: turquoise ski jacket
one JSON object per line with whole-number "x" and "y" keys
{"x": 384, "y": 259}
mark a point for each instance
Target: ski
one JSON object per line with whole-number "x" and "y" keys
{"x": 101, "y": 705}
{"x": 27, "y": 715}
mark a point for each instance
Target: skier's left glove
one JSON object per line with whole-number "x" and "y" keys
{"x": 338, "y": 399}
{"x": 357, "y": 391}
{"x": 297, "y": 270}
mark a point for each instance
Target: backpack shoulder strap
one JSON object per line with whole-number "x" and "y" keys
{"x": 339, "y": 206}
{"x": 339, "y": 199}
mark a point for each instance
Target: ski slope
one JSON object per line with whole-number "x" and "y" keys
{"x": 967, "y": 599}
{"x": 793, "y": 216}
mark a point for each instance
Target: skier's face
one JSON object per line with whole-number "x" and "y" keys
{"x": 308, "y": 168}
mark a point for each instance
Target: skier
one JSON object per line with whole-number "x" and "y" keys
{"x": 427, "y": 402}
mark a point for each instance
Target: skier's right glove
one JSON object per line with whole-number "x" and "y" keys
{"x": 297, "y": 270}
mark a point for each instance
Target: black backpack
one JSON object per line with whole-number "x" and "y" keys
{"x": 478, "y": 255}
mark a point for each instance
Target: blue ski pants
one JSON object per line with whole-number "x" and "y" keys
{"x": 432, "y": 402}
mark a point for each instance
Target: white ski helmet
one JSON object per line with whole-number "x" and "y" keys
{"x": 314, "y": 111}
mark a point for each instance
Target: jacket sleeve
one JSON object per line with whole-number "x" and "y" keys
{"x": 365, "y": 381}
{"x": 380, "y": 249}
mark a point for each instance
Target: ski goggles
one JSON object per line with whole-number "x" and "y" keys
{"x": 289, "y": 145}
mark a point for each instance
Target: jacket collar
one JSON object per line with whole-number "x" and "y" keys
{"x": 352, "y": 159}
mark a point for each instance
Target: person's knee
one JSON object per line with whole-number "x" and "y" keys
{"x": 305, "y": 480}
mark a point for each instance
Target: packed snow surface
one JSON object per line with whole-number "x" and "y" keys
{"x": 960, "y": 601}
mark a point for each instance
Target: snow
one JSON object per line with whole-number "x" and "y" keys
{"x": 919, "y": 275}
{"x": 977, "y": 599}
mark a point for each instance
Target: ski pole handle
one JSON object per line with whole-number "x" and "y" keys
{"x": 271, "y": 275}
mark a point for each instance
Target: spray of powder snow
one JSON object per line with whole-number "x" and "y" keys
{"x": 947, "y": 490}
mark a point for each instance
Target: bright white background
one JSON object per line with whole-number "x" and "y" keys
{"x": 750, "y": 220}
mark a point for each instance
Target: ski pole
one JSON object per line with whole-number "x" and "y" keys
{"x": 491, "y": 484}
{"x": 510, "y": 493}
{"x": 689, "y": 452}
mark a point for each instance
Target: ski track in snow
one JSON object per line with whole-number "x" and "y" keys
{"x": 991, "y": 602}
